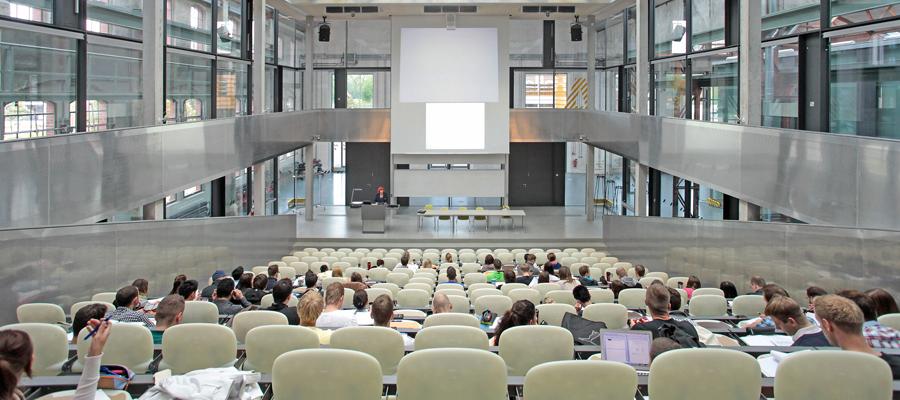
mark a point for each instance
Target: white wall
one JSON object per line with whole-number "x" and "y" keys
{"x": 449, "y": 183}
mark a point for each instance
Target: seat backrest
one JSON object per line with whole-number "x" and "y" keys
{"x": 451, "y": 318}
{"x": 497, "y": 303}
{"x": 244, "y": 321}
{"x": 708, "y": 291}
{"x": 633, "y": 298}
{"x": 455, "y": 292}
{"x": 561, "y": 296}
{"x": 398, "y": 278}
{"x": 602, "y": 296}
{"x": 361, "y": 271}
{"x": 373, "y": 293}
{"x": 891, "y": 320}
{"x": 473, "y": 278}
{"x": 393, "y": 287}
{"x": 507, "y": 287}
{"x": 615, "y": 316}
{"x": 334, "y": 279}
{"x": 200, "y": 312}
{"x": 708, "y": 305}
{"x": 287, "y": 272}
{"x": 290, "y": 259}
{"x": 460, "y": 304}
{"x": 448, "y": 286}
{"x": 619, "y": 380}
{"x": 405, "y": 270}
{"x": 293, "y": 371}
{"x": 81, "y": 304}
{"x": 128, "y": 345}
{"x": 451, "y": 336}
{"x": 661, "y": 275}
{"x": 348, "y": 298}
{"x": 419, "y": 285}
{"x": 838, "y": 375}
{"x": 475, "y": 294}
{"x": 545, "y": 288}
{"x": 463, "y": 374}
{"x": 41, "y": 312}
{"x": 475, "y": 286}
{"x": 552, "y": 314}
{"x": 725, "y": 374}
{"x": 300, "y": 267}
{"x": 266, "y": 343}
{"x": 109, "y": 297}
{"x": 191, "y": 347}
{"x": 379, "y": 274}
{"x": 648, "y": 280}
{"x": 675, "y": 280}
{"x": 409, "y": 313}
{"x": 50, "y": 346}
{"x": 749, "y": 305}
{"x": 385, "y": 344}
{"x": 413, "y": 298}
{"x": 531, "y": 295}
{"x": 523, "y": 347}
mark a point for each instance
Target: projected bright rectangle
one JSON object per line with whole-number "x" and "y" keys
{"x": 454, "y": 126}
{"x": 438, "y": 65}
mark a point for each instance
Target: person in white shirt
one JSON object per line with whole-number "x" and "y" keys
{"x": 545, "y": 276}
{"x": 405, "y": 262}
{"x": 383, "y": 313}
{"x": 334, "y": 317}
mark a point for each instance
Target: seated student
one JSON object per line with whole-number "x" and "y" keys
{"x": 360, "y": 301}
{"x": 488, "y": 265}
{"x": 495, "y": 275}
{"x": 661, "y": 345}
{"x": 530, "y": 260}
{"x": 525, "y": 274}
{"x": 236, "y": 274}
{"x": 616, "y": 287}
{"x": 334, "y": 316}
{"x": 729, "y": 289}
{"x": 356, "y": 282}
{"x": 448, "y": 258}
{"x": 85, "y": 314}
{"x": 884, "y": 301}
{"x": 521, "y": 313}
{"x": 756, "y": 285}
{"x": 281, "y": 296}
{"x": 547, "y": 273}
{"x": 382, "y": 314}
{"x": 324, "y": 273}
{"x": 582, "y": 298}
{"x": 257, "y": 289}
{"x": 405, "y": 262}
{"x": 207, "y": 292}
{"x": 244, "y": 282}
{"x": 674, "y": 307}
{"x": 143, "y": 287}
{"x": 309, "y": 309}
{"x": 451, "y": 276}
{"x": 811, "y": 293}
{"x": 310, "y": 280}
{"x": 764, "y": 322}
{"x": 657, "y": 301}
{"x": 639, "y": 271}
{"x": 337, "y": 273}
{"x": 566, "y": 281}
{"x": 427, "y": 264}
{"x": 188, "y": 290}
{"x": 627, "y": 281}
{"x": 441, "y": 304}
{"x": 543, "y": 277}
{"x": 586, "y": 279}
{"x": 273, "y": 276}
{"x": 224, "y": 295}
{"x": 179, "y": 279}
{"x": 878, "y": 336}
{"x": 842, "y": 323}
{"x": 169, "y": 313}
{"x": 692, "y": 283}
{"x": 126, "y": 302}
{"x": 788, "y": 317}
{"x": 509, "y": 276}
{"x": 551, "y": 259}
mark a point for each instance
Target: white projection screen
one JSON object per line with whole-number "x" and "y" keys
{"x": 454, "y": 126}
{"x": 439, "y": 65}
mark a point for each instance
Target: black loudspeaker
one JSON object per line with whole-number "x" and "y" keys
{"x": 575, "y": 32}
{"x": 324, "y": 32}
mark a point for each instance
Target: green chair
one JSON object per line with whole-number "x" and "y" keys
{"x": 266, "y": 343}
{"x": 385, "y": 344}
{"x": 833, "y": 375}
{"x": 451, "y": 336}
{"x": 616, "y": 381}
{"x": 523, "y": 347}
{"x": 451, "y": 374}
{"x": 305, "y": 375}
{"x": 714, "y": 374}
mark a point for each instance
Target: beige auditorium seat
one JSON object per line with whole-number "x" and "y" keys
{"x": 615, "y": 316}
{"x": 128, "y": 345}
{"x": 648, "y": 280}
{"x": 260, "y": 270}
{"x": 749, "y": 305}
{"x": 833, "y": 375}
{"x": 266, "y": 343}
{"x": 398, "y": 278}
{"x": 451, "y": 374}
{"x": 633, "y": 298}
{"x": 448, "y": 286}
{"x": 619, "y": 381}
{"x": 708, "y": 291}
{"x": 716, "y": 374}
{"x": 531, "y": 295}
{"x": 108, "y": 297}
{"x": 293, "y": 371}
{"x": 409, "y": 314}
{"x": 523, "y": 347}
{"x": 451, "y": 336}
{"x": 545, "y": 288}
{"x": 451, "y": 318}
{"x": 268, "y": 300}
{"x": 454, "y": 292}
{"x": 561, "y": 297}
{"x": 200, "y": 312}
{"x": 661, "y": 275}
{"x": 337, "y": 279}
{"x": 421, "y": 286}
{"x": 708, "y": 305}
{"x": 50, "y": 346}
{"x": 385, "y": 344}
{"x": 498, "y": 304}
{"x": 482, "y": 285}
{"x": 602, "y": 296}
{"x": 552, "y": 314}
{"x": 473, "y": 278}
{"x": 190, "y": 347}
{"x": 300, "y": 267}
{"x": 674, "y": 281}
{"x": 891, "y": 320}
{"x": 460, "y": 304}
{"x": 373, "y": 293}
{"x": 243, "y": 322}
{"x": 413, "y": 298}
{"x": 41, "y": 312}
{"x": 393, "y": 287}
{"x": 379, "y": 274}
{"x": 507, "y": 287}
{"x": 475, "y": 294}
{"x": 81, "y": 304}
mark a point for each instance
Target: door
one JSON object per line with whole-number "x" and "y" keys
{"x": 537, "y": 174}
{"x": 367, "y": 165}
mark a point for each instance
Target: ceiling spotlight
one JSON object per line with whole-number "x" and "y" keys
{"x": 575, "y": 30}
{"x": 324, "y": 31}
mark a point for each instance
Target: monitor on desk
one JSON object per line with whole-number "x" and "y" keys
{"x": 625, "y": 346}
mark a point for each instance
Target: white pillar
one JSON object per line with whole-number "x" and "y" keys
{"x": 152, "y": 78}
{"x": 308, "y": 72}
{"x": 259, "y": 189}
{"x": 154, "y": 211}
{"x": 258, "y": 68}
{"x": 591, "y": 63}
{"x": 589, "y": 210}
{"x": 642, "y": 67}
{"x": 642, "y": 172}
{"x": 750, "y": 64}
{"x": 308, "y": 176}
{"x": 747, "y": 211}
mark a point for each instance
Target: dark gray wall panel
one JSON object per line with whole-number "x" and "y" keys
{"x": 368, "y": 166}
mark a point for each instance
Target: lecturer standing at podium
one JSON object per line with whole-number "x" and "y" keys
{"x": 380, "y": 198}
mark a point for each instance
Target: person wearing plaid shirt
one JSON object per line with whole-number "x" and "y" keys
{"x": 878, "y": 336}
{"x": 126, "y": 301}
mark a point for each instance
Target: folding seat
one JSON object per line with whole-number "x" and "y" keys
{"x": 128, "y": 345}
{"x": 265, "y": 343}
{"x": 838, "y": 375}
{"x": 708, "y": 305}
{"x": 531, "y": 295}
{"x": 50, "y": 346}
{"x": 619, "y": 380}
{"x": 385, "y": 344}
{"x": 200, "y": 312}
{"x": 41, "y": 313}
{"x": 724, "y": 374}
{"x": 498, "y": 304}
{"x": 561, "y": 297}
{"x": 464, "y": 374}
{"x": 413, "y": 298}
{"x": 552, "y": 314}
{"x": 243, "y": 322}
{"x": 524, "y": 347}
{"x": 634, "y": 298}
{"x": 451, "y": 336}
{"x": 615, "y": 316}
{"x": 451, "y": 318}
{"x": 329, "y": 364}
{"x": 189, "y": 347}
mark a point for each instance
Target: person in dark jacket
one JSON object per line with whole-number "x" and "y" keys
{"x": 257, "y": 289}
{"x": 223, "y": 296}
{"x": 281, "y": 294}
{"x": 788, "y": 317}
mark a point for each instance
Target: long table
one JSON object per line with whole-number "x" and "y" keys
{"x": 487, "y": 214}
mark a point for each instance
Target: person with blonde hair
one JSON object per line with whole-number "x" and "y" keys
{"x": 309, "y": 309}
{"x": 566, "y": 281}
{"x": 842, "y": 323}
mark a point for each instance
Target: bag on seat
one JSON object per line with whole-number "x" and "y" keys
{"x": 584, "y": 331}
{"x": 672, "y": 331}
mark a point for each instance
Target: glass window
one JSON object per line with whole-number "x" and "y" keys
{"x": 37, "y": 83}
{"x": 188, "y": 24}
{"x": 228, "y": 28}
{"x": 359, "y": 90}
{"x": 288, "y": 88}
{"x": 846, "y": 12}
{"x": 115, "y": 17}
{"x": 600, "y": 43}
{"x": 865, "y": 83}
{"x": 615, "y": 35}
{"x": 270, "y": 35}
{"x": 669, "y": 28}
{"x": 323, "y": 89}
{"x": 526, "y": 43}
{"x": 231, "y": 89}
{"x": 668, "y": 89}
{"x": 550, "y": 90}
{"x": 611, "y": 183}
{"x": 569, "y": 53}
{"x": 286, "y": 41}
{"x": 188, "y": 84}
{"x": 114, "y": 80}
{"x": 707, "y": 24}
{"x": 300, "y": 44}
{"x": 369, "y": 43}
{"x": 333, "y": 52}
{"x": 291, "y": 188}
{"x": 632, "y": 184}
{"x": 630, "y": 89}
{"x": 236, "y": 194}
{"x": 193, "y": 202}
{"x": 711, "y": 203}
{"x": 714, "y": 87}
{"x": 780, "y": 85}
{"x": 31, "y": 10}
{"x": 97, "y": 116}
{"x": 631, "y": 39}
{"x": 269, "y": 104}
{"x": 786, "y": 18}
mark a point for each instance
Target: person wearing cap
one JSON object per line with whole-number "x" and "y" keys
{"x": 208, "y": 291}
{"x": 380, "y": 197}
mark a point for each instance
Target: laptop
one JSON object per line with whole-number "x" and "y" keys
{"x": 626, "y": 346}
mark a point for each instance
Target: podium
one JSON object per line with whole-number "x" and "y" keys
{"x": 373, "y": 217}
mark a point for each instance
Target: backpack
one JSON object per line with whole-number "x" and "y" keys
{"x": 584, "y": 331}
{"x": 671, "y": 330}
